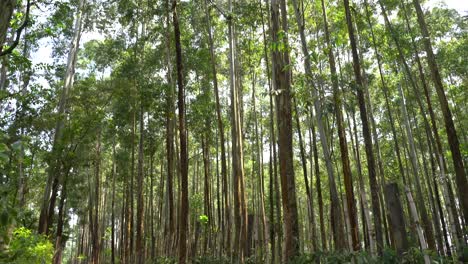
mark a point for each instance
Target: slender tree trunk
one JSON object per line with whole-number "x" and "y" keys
{"x": 259, "y": 153}
{"x": 184, "y": 206}
{"x": 337, "y": 219}
{"x": 140, "y": 206}
{"x": 312, "y": 168}
{"x": 369, "y": 229}
{"x": 318, "y": 184}
{"x": 170, "y": 116}
{"x": 225, "y": 223}
{"x": 95, "y": 234}
{"x": 60, "y": 221}
{"x": 452, "y": 137}
{"x": 303, "y": 161}
{"x": 351, "y": 205}
{"x": 366, "y": 132}
{"x": 414, "y": 215}
{"x": 114, "y": 176}
{"x": 240, "y": 209}
{"x": 54, "y": 163}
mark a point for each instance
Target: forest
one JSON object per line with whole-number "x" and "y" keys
{"x": 233, "y": 131}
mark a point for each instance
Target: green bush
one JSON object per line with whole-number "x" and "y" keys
{"x": 26, "y": 247}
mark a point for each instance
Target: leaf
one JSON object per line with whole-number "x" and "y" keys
{"x": 4, "y": 148}
{"x": 4, "y": 157}
{"x": 16, "y": 146}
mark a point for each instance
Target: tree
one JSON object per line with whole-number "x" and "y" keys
{"x": 282, "y": 84}
{"x": 452, "y": 137}
{"x": 365, "y": 130}
{"x": 184, "y": 207}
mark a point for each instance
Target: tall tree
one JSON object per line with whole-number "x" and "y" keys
{"x": 342, "y": 137}
{"x": 225, "y": 221}
{"x": 184, "y": 206}
{"x": 336, "y": 215}
{"x": 282, "y": 86}
{"x": 240, "y": 207}
{"x": 57, "y": 145}
{"x": 365, "y": 130}
{"x": 452, "y": 137}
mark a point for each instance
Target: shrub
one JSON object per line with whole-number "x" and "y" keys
{"x": 26, "y": 247}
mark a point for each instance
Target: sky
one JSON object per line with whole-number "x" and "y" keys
{"x": 460, "y": 5}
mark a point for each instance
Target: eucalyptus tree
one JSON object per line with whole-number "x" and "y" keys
{"x": 184, "y": 207}
{"x": 50, "y": 192}
{"x": 366, "y": 131}
{"x": 337, "y": 219}
{"x": 452, "y": 137}
{"x": 342, "y": 137}
{"x": 282, "y": 84}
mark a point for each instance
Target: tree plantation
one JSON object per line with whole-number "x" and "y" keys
{"x": 233, "y": 131}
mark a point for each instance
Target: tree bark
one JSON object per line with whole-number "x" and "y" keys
{"x": 225, "y": 223}
{"x": 282, "y": 86}
{"x": 184, "y": 206}
{"x": 6, "y": 11}
{"x": 140, "y": 204}
{"x": 366, "y": 132}
{"x": 397, "y": 220}
{"x": 240, "y": 209}
{"x": 414, "y": 215}
{"x": 170, "y": 121}
{"x": 351, "y": 205}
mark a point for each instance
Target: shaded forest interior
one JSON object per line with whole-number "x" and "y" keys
{"x": 233, "y": 131}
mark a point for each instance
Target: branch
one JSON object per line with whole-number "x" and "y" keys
{"x": 220, "y": 10}
{"x": 18, "y": 32}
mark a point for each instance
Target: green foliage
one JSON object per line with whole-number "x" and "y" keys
{"x": 211, "y": 260}
{"x": 28, "y": 248}
{"x": 203, "y": 219}
{"x": 164, "y": 260}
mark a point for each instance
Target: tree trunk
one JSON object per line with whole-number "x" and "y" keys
{"x": 184, "y": 206}
{"x": 397, "y": 221}
{"x": 282, "y": 86}
{"x": 225, "y": 223}
{"x": 351, "y": 205}
{"x": 95, "y": 234}
{"x": 6, "y": 11}
{"x": 259, "y": 163}
{"x": 452, "y": 137}
{"x": 114, "y": 176}
{"x": 140, "y": 206}
{"x": 414, "y": 215}
{"x": 337, "y": 219}
{"x": 366, "y": 132}
{"x": 318, "y": 184}
{"x": 303, "y": 161}
{"x": 60, "y": 221}
{"x": 240, "y": 209}
{"x": 170, "y": 116}
{"x": 54, "y": 163}
{"x": 369, "y": 229}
